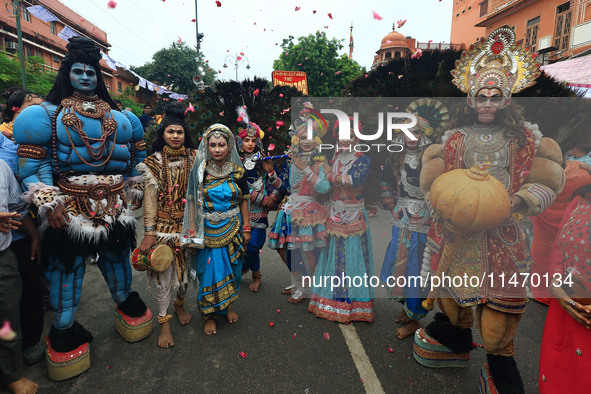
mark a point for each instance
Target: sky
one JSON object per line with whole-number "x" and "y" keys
{"x": 136, "y": 29}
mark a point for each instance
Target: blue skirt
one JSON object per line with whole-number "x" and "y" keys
{"x": 280, "y": 233}
{"x": 219, "y": 281}
{"x": 404, "y": 257}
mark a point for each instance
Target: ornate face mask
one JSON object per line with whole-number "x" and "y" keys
{"x": 496, "y": 62}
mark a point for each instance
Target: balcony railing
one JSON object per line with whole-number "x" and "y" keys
{"x": 442, "y": 46}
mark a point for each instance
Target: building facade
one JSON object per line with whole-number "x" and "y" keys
{"x": 396, "y": 46}
{"x": 42, "y": 39}
{"x": 558, "y": 29}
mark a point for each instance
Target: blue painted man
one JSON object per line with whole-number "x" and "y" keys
{"x": 77, "y": 157}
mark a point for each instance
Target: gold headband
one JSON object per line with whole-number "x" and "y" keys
{"x": 496, "y": 62}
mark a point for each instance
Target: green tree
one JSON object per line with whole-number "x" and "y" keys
{"x": 39, "y": 78}
{"x": 175, "y": 68}
{"x": 128, "y": 102}
{"x": 327, "y": 71}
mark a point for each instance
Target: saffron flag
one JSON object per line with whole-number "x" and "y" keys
{"x": 351, "y": 44}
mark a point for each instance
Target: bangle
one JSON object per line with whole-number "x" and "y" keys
{"x": 148, "y": 229}
{"x": 246, "y": 229}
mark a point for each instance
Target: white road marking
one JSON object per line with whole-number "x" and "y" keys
{"x": 368, "y": 375}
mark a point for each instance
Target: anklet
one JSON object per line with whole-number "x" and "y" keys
{"x": 164, "y": 319}
{"x": 178, "y": 302}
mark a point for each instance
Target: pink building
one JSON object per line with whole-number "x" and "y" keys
{"x": 41, "y": 39}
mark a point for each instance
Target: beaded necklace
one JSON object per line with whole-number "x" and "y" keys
{"x": 91, "y": 107}
{"x": 169, "y": 154}
{"x": 219, "y": 171}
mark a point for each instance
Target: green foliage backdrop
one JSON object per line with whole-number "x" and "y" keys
{"x": 39, "y": 78}
{"x": 316, "y": 55}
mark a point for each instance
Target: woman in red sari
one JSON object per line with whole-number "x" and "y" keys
{"x": 565, "y": 358}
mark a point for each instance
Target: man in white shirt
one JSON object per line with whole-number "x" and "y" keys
{"x": 13, "y": 213}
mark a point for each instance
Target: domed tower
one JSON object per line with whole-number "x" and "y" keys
{"x": 394, "y": 46}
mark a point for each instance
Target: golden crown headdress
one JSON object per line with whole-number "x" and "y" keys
{"x": 497, "y": 62}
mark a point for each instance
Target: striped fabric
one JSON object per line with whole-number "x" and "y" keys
{"x": 10, "y": 200}
{"x": 543, "y": 194}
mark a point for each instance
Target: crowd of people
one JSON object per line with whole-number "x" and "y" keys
{"x": 75, "y": 165}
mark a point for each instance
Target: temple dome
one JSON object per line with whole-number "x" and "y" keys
{"x": 394, "y": 39}
{"x": 394, "y": 46}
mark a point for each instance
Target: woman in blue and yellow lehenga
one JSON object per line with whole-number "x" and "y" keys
{"x": 216, "y": 224}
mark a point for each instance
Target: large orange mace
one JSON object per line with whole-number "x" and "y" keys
{"x": 467, "y": 201}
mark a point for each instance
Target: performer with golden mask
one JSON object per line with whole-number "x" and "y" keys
{"x": 490, "y": 131}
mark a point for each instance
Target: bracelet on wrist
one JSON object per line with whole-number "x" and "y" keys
{"x": 148, "y": 229}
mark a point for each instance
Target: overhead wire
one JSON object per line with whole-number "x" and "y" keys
{"x": 29, "y": 2}
{"x": 151, "y": 20}
{"x": 122, "y": 24}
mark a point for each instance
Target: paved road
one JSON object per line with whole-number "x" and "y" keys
{"x": 292, "y": 357}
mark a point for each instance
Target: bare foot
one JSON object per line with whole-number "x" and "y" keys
{"x": 403, "y": 318}
{"x": 165, "y": 338}
{"x": 288, "y": 290}
{"x": 296, "y": 297}
{"x": 23, "y": 386}
{"x": 256, "y": 282}
{"x": 407, "y": 330}
{"x": 210, "y": 327}
{"x": 184, "y": 316}
{"x": 232, "y": 316}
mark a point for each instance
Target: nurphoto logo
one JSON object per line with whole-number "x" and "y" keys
{"x": 391, "y": 121}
